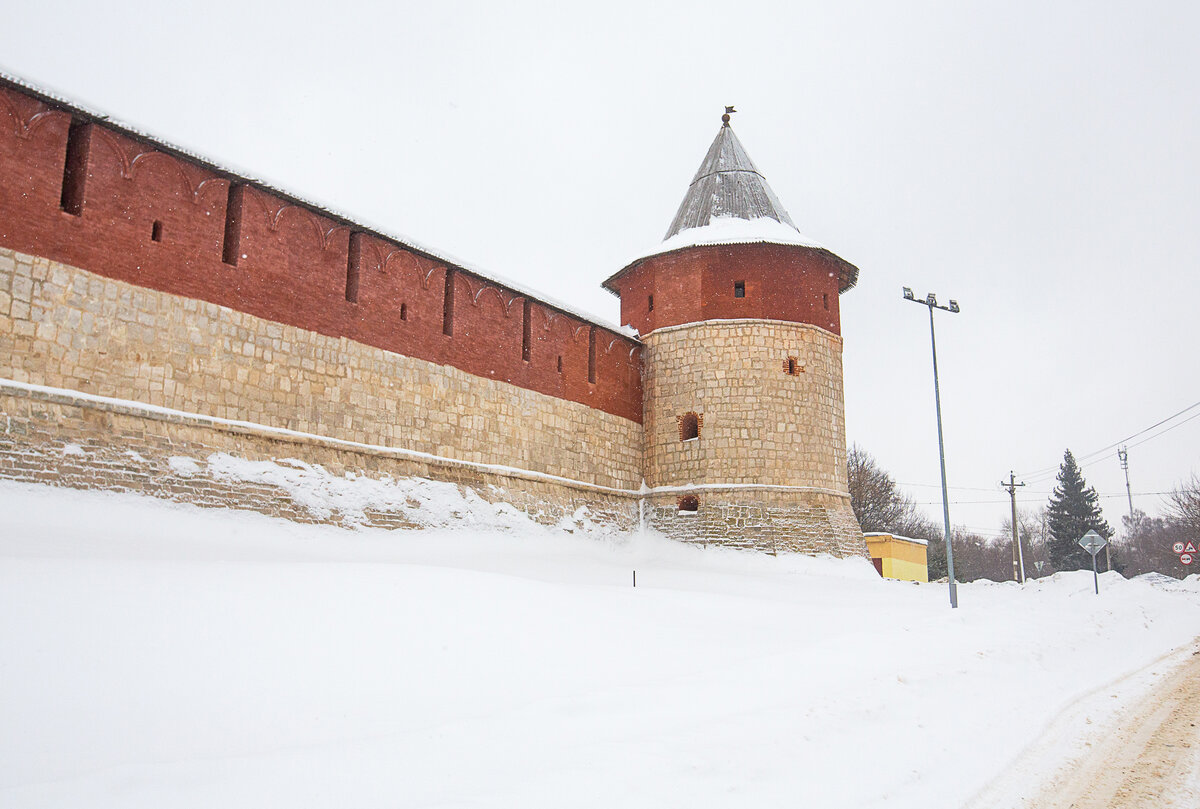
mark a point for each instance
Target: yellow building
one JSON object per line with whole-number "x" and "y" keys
{"x": 897, "y": 557}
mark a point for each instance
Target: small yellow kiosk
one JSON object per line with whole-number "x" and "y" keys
{"x": 897, "y": 557}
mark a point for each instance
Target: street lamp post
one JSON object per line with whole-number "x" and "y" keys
{"x": 931, "y": 302}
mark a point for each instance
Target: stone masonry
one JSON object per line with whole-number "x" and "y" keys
{"x": 72, "y": 330}
{"x": 768, "y": 468}
{"x": 167, "y": 324}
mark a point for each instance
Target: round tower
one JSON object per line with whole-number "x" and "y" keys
{"x": 744, "y": 418}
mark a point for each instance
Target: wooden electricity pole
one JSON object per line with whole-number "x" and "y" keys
{"x": 1018, "y": 555}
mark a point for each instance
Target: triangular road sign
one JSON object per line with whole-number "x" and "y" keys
{"x": 1189, "y": 548}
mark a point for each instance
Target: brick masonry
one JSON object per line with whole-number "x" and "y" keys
{"x": 88, "y": 194}
{"x": 135, "y": 276}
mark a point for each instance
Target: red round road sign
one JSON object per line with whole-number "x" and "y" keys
{"x": 1177, "y": 547}
{"x": 1186, "y": 558}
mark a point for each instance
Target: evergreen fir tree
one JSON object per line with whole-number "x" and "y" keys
{"x": 1074, "y": 509}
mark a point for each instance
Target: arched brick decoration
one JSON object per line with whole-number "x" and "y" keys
{"x": 689, "y": 426}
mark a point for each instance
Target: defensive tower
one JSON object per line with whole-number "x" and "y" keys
{"x": 743, "y": 412}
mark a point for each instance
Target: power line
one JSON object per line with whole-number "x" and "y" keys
{"x": 1172, "y": 427}
{"x": 1047, "y": 494}
{"x": 1095, "y": 461}
{"x": 1040, "y": 473}
{"x": 1047, "y": 473}
{"x": 956, "y": 488}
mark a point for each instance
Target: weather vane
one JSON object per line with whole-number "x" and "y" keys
{"x": 725, "y": 117}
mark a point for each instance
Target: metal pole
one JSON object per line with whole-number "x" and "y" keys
{"x": 937, "y": 396}
{"x": 1123, "y": 454}
{"x": 1095, "y": 575}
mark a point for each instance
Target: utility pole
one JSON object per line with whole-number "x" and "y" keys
{"x": 1123, "y": 455}
{"x": 1018, "y": 554}
{"x": 931, "y": 302}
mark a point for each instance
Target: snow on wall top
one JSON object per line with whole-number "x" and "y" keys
{"x": 913, "y": 540}
{"x": 733, "y": 230}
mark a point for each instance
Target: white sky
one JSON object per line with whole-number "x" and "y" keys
{"x": 1036, "y": 161}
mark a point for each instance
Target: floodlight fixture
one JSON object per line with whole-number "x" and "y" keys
{"x": 908, "y": 294}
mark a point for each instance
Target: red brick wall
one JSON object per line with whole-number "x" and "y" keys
{"x": 795, "y": 284}
{"x": 292, "y": 261}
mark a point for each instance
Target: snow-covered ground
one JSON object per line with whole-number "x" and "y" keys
{"x": 156, "y": 655}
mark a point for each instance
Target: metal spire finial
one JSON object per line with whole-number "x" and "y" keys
{"x": 725, "y": 117}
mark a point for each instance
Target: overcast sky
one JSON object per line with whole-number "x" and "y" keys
{"x": 1037, "y": 161}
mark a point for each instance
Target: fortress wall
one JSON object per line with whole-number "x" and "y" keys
{"x": 98, "y": 198}
{"x": 64, "y": 439}
{"x": 71, "y": 329}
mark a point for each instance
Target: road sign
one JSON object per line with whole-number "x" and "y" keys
{"x": 1177, "y": 547}
{"x": 1189, "y": 548}
{"x": 1186, "y": 558}
{"x": 1093, "y": 543}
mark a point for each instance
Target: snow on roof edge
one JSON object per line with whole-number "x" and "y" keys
{"x": 913, "y": 540}
{"x": 723, "y": 230}
{"x": 232, "y": 170}
{"x": 732, "y": 230}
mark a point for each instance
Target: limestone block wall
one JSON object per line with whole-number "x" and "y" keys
{"x": 767, "y": 467}
{"x": 760, "y": 424}
{"x": 766, "y": 519}
{"x": 63, "y": 438}
{"x": 71, "y": 329}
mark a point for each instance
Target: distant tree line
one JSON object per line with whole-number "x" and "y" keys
{"x": 1048, "y": 536}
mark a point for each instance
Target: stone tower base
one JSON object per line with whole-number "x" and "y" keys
{"x": 767, "y": 519}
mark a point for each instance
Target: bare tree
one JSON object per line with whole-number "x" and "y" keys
{"x": 1033, "y": 534}
{"x": 1185, "y": 506}
{"x": 1146, "y": 545}
{"x": 878, "y": 503}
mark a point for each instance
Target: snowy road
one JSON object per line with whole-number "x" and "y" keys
{"x": 1149, "y": 760}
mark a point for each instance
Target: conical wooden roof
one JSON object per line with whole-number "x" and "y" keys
{"x": 727, "y": 184}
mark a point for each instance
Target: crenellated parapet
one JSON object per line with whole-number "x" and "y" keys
{"x": 80, "y": 190}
